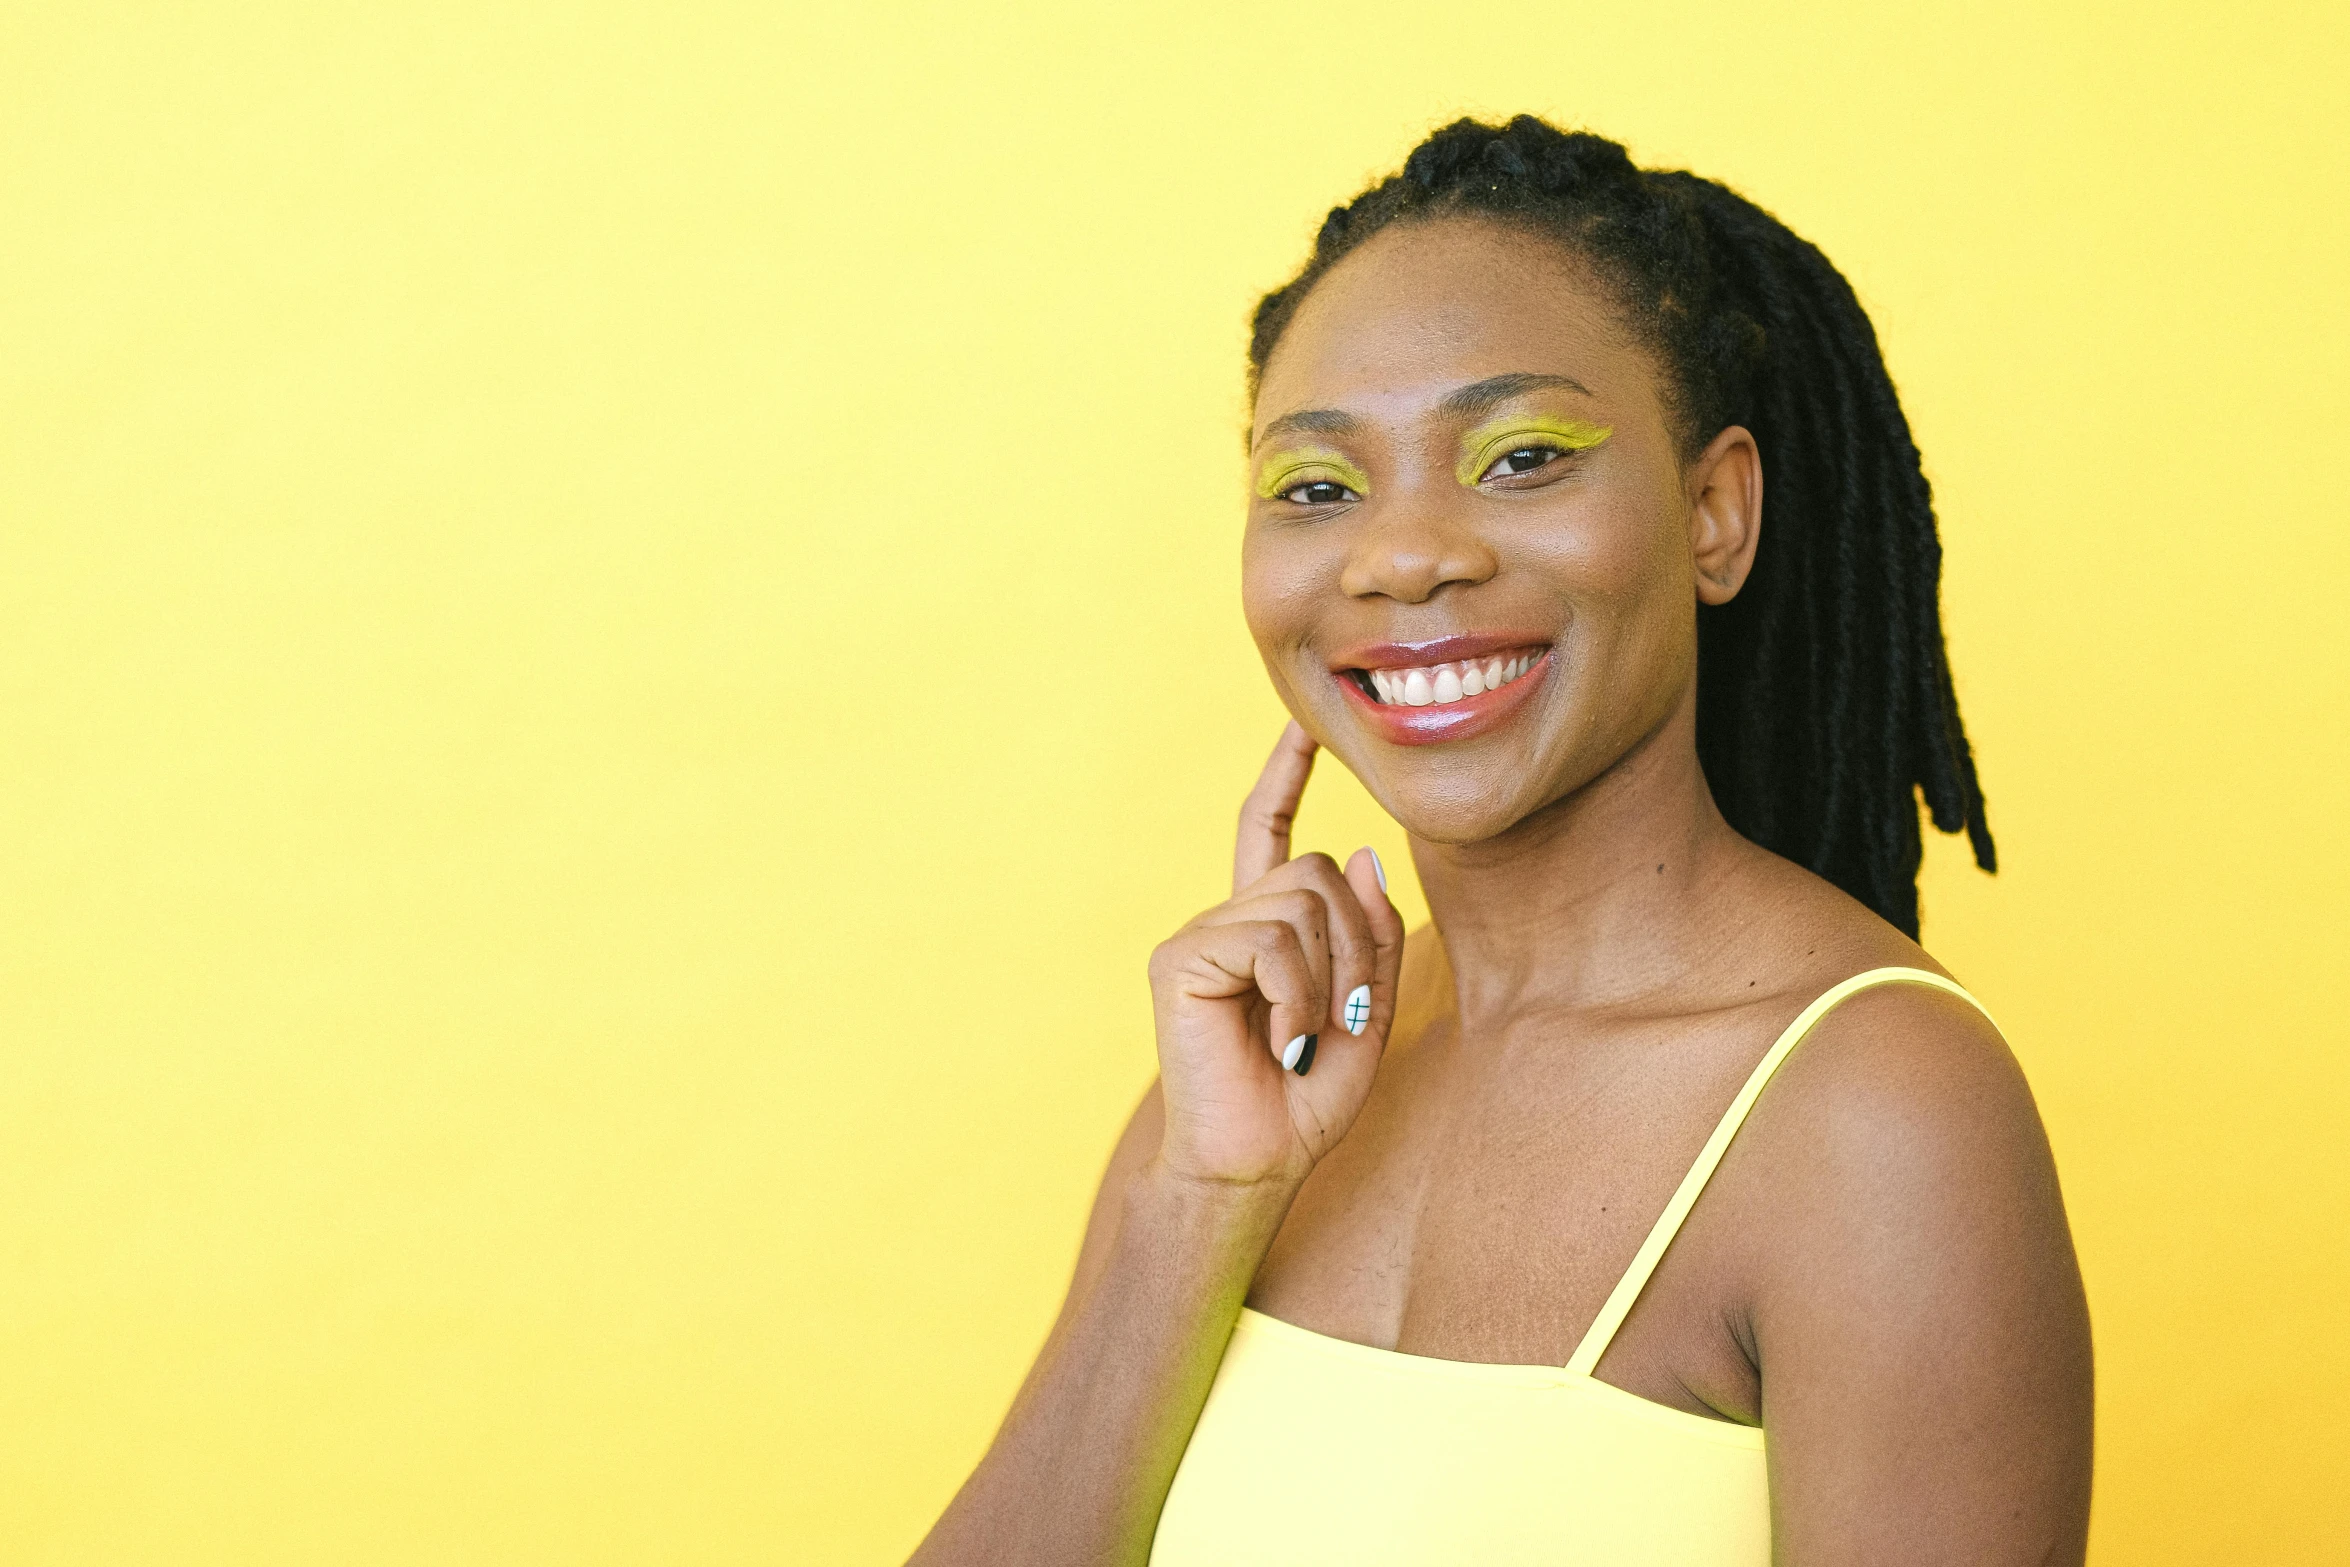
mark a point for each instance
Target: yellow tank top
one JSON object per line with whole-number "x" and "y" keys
{"x": 1316, "y": 1450}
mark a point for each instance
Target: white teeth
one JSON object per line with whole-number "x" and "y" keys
{"x": 1435, "y": 683}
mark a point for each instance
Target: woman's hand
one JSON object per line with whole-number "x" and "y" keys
{"x": 1084, "y": 1460}
{"x": 1261, "y": 1060}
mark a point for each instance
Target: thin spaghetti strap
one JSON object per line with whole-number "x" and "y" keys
{"x": 1627, "y": 1291}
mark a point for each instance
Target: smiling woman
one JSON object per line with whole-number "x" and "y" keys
{"x": 1444, "y": 1288}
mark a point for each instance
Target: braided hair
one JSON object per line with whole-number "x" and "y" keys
{"x": 1824, "y": 694}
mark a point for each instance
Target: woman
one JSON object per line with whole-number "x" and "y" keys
{"x": 1404, "y": 1257}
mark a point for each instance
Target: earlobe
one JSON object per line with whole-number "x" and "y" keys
{"x": 1725, "y": 514}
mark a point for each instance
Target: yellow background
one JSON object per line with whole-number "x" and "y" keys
{"x": 617, "y": 633}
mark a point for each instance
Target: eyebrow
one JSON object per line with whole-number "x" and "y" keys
{"x": 1312, "y": 421}
{"x": 1486, "y": 395}
{"x": 1462, "y": 403}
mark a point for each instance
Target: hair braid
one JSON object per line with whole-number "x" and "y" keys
{"x": 1825, "y": 702}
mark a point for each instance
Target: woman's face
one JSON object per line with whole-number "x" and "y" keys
{"x": 1474, "y": 552}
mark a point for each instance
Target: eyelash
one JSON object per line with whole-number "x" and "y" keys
{"x": 1344, "y": 494}
{"x": 1554, "y": 452}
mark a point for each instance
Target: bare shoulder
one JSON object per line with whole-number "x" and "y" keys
{"x": 1915, "y": 1310}
{"x": 1901, "y": 1137}
{"x": 1896, "y": 1167}
{"x": 1915, "y": 1042}
{"x": 1905, "y": 1068}
{"x": 1903, "y": 1105}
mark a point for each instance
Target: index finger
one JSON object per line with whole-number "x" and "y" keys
{"x": 1271, "y": 807}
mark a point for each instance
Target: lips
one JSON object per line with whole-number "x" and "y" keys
{"x": 1453, "y": 688}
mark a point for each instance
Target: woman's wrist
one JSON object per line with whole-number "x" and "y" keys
{"x": 1188, "y": 1222}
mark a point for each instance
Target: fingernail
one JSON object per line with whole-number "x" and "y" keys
{"x": 1305, "y": 1058}
{"x": 1298, "y": 1054}
{"x": 1377, "y": 870}
{"x": 1358, "y": 1009}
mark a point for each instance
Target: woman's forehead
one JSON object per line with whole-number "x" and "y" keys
{"x": 1426, "y": 308}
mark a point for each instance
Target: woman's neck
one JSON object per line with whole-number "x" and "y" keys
{"x": 1599, "y": 897}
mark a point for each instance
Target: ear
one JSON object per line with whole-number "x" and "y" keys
{"x": 1725, "y": 513}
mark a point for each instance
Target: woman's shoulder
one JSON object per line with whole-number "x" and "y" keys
{"x": 1894, "y": 1059}
{"x": 1904, "y": 1072}
{"x": 1901, "y": 1112}
{"x": 1899, "y": 1235}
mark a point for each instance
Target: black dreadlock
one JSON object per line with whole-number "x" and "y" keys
{"x": 1824, "y": 694}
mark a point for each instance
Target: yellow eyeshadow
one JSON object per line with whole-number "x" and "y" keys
{"x": 1491, "y": 442}
{"x": 1285, "y": 471}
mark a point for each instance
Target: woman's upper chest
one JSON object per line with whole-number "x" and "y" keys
{"x": 1495, "y": 1189}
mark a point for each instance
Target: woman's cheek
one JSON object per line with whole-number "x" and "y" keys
{"x": 1601, "y": 551}
{"x": 1278, "y": 591}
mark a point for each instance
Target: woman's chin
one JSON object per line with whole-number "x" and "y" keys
{"x": 1448, "y": 794}
{"x": 1452, "y": 815}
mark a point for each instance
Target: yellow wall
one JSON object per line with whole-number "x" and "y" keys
{"x": 617, "y": 632}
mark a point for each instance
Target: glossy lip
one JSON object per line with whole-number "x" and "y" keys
{"x": 1441, "y": 650}
{"x": 1440, "y": 721}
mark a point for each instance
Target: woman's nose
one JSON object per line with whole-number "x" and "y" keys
{"x": 1410, "y": 548}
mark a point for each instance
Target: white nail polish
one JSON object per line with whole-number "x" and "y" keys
{"x": 1378, "y": 869}
{"x": 1358, "y": 1009}
{"x": 1291, "y": 1051}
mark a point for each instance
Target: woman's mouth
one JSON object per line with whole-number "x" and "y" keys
{"x": 1412, "y": 695}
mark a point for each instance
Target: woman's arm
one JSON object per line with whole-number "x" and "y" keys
{"x": 1194, "y": 1194}
{"x": 1084, "y": 1459}
{"x": 1920, "y": 1324}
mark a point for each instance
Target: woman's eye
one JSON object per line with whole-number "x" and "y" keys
{"x": 1319, "y": 492}
{"x": 1523, "y": 459}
